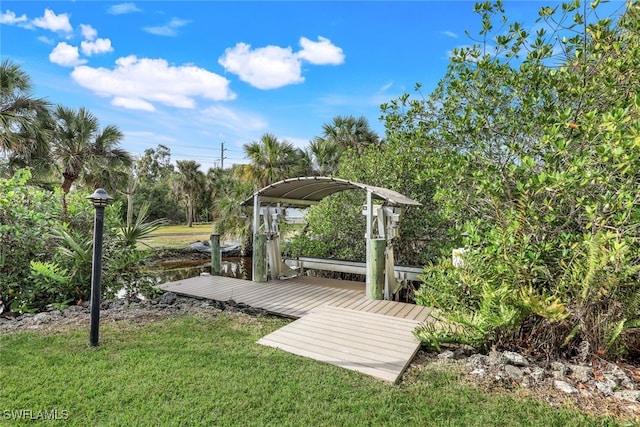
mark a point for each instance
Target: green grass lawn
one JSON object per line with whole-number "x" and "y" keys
{"x": 197, "y": 370}
{"x": 183, "y": 229}
{"x": 177, "y": 236}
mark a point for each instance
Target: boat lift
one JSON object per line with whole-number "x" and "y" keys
{"x": 382, "y": 221}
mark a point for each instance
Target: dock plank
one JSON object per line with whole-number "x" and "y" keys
{"x": 385, "y": 358}
{"x": 336, "y": 324}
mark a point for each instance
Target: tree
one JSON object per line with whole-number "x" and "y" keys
{"x": 81, "y": 150}
{"x": 155, "y": 164}
{"x": 533, "y": 141}
{"x": 153, "y": 171}
{"x": 187, "y": 182}
{"x": 273, "y": 160}
{"x": 326, "y": 155}
{"x": 230, "y": 218}
{"x": 24, "y": 120}
{"x": 349, "y": 132}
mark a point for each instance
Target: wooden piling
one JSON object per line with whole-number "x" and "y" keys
{"x": 376, "y": 267}
{"x": 260, "y": 258}
{"x": 216, "y": 255}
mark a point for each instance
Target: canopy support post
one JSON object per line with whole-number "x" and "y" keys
{"x": 259, "y": 263}
{"x": 369, "y": 286}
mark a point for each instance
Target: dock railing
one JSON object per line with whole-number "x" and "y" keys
{"x": 402, "y": 273}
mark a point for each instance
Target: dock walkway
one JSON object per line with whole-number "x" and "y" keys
{"x": 337, "y": 323}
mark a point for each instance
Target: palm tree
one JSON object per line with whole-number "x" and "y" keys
{"x": 349, "y": 132}
{"x": 187, "y": 182}
{"x": 230, "y": 218}
{"x": 273, "y": 160}
{"x": 326, "y": 155}
{"x": 82, "y": 150}
{"x": 24, "y": 120}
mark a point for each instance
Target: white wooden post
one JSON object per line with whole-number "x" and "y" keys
{"x": 368, "y": 237}
{"x": 257, "y": 250}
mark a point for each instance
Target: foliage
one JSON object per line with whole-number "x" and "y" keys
{"x": 25, "y": 212}
{"x": 162, "y": 203}
{"x": 397, "y": 165}
{"x": 321, "y": 238}
{"x": 230, "y": 219}
{"x": 546, "y": 161}
{"x": 134, "y": 233}
{"x": 348, "y": 132}
{"x": 24, "y": 120}
{"x": 152, "y": 172}
{"x": 187, "y": 182}
{"x": 273, "y": 160}
{"x": 46, "y": 262}
{"x": 84, "y": 151}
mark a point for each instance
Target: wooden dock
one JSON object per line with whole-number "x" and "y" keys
{"x": 337, "y": 323}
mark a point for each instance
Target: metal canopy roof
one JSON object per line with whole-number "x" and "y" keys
{"x": 305, "y": 191}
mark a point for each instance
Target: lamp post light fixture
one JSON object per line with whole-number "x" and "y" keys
{"x": 100, "y": 199}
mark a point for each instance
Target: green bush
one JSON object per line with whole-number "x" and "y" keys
{"x": 546, "y": 163}
{"x": 26, "y": 213}
{"x": 46, "y": 263}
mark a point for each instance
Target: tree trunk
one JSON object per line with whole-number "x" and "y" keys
{"x": 66, "y": 186}
{"x": 189, "y": 212}
{"x": 129, "y": 209}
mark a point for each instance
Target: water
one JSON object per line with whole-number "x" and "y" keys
{"x": 236, "y": 267}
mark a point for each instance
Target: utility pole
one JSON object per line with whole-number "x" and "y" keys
{"x": 222, "y": 157}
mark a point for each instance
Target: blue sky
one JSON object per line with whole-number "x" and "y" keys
{"x": 192, "y": 74}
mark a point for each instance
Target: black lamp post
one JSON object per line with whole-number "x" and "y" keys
{"x": 100, "y": 199}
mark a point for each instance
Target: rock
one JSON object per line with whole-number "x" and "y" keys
{"x": 558, "y": 370}
{"x": 538, "y": 374}
{"x": 629, "y": 395}
{"x": 581, "y": 373}
{"x": 565, "y": 387}
{"x": 514, "y": 372}
{"x": 607, "y": 387}
{"x": 515, "y": 359}
{"x": 620, "y": 376}
{"x": 584, "y": 350}
{"x": 463, "y": 352}
{"x": 167, "y": 298}
{"x": 447, "y": 354}
{"x": 478, "y": 361}
{"x": 41, "y": 318}
{"x": 496, "y": 358}
{"x": 478, "y": 371}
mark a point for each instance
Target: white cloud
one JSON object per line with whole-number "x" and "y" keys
{"x": 10, "y": 18}
{"x": 233, "y": 119}
{"x": 272, "y": 67}
{"x": 265, "y": 68}
{"x": 386, "y": 87}
{"x": 133, "y": 104}
{"x": 139, "y": 83}
{"x": 51, "y": 21}
{"x": 122, "y": 8}
{"x": 450, "y": 34}
{"x": 97, "y": 46}
{"x": 169, "y": 30}
{"x": 46, "y": 40}
{"x": 88, "y": 32}
{"x": 66, "y": 55}
{"x": 322, "y": 52}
